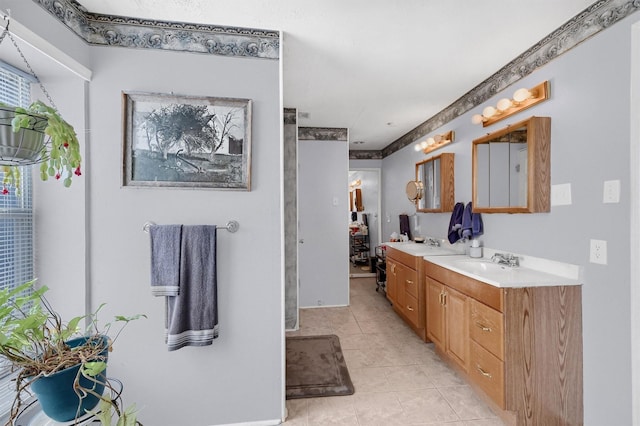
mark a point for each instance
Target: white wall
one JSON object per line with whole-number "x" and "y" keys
{"x": 589, "y": 110}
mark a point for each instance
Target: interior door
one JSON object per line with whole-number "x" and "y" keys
{"x": 323, "y": 219}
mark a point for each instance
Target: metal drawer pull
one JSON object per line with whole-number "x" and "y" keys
{"x": 483, "y": 327}
{"x": 410, "y": 308}
{"x": 484, "y": 373}
{"x": 409, "y": 281}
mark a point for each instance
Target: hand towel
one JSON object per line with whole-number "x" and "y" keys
{"x": 455, "y": 223}
{"x": 466, "y": 222}
{"x": 472, "y": 226}
{"x": 165, "y": 259}
{"x": 404, "y": 225}
{"x": 192, "y": 316}
{"x": 477, "y": 227}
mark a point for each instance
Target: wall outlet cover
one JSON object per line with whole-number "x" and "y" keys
{"x": 598, "y": 252}
{"x": 561, "y": 194}
{"x": 611, "y": 191}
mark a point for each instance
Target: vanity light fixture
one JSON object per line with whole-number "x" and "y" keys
{"x": 355, "y": 184}
{"x": 435, "y": 142}
{"x": 522, "y": 99}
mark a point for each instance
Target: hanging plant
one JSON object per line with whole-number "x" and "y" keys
{"x": 59, "y": 157}
{"x": 22, "y": 138}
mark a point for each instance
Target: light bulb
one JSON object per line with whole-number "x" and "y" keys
{"x": 504, "y": 104}
{"x": 521, "y": 95}
{"x": 424, "y": 144}
{"x": 437, "y": 138}
{"x": 477, "y": 119}
{"x": 489, "y": 112}
{"x": 417, "y": 147}
{"x": 430, "y": 141}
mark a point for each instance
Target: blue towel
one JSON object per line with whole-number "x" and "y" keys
{"x": 471, "y": 223}
{"x": 192, "y": 317}
{"x": 165, "y": 259}
{"x": 455, "y": 224}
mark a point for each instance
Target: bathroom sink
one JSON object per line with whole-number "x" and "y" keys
{"x": 422, "y": 249}
{"x": 483, "y": 266}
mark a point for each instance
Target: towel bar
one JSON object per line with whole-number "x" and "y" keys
{"x": 231, "y": 226}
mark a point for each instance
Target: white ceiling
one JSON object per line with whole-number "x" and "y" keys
{"x": 376, "y": 67}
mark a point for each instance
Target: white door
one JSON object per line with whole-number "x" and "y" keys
{"x": 323, "y": 217}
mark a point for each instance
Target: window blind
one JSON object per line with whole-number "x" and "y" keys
{"x": 16, "y": 222}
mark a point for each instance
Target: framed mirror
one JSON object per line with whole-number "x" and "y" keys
{"x": 511, "y": 169}
{"x": 435, "y": 176}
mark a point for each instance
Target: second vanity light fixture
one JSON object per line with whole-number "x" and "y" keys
{"x": 522, "y": 99}
{"x": 435, "y": 142}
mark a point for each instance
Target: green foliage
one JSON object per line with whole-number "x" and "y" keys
{"x": 33, "y": 339}
{"x": 61, "y": 154}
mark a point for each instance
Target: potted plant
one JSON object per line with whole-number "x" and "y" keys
{"x": 22, "y": 142}
{"x": 55, "y": 360}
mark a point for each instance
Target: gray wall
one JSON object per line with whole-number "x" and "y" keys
{"x": 590, "y": 143}
{"x": 96, "y": 227}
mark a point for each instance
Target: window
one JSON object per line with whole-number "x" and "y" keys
{"x": 16, "y": 220}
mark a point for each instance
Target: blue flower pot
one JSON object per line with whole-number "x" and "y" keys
{"x": 56, "y": 395}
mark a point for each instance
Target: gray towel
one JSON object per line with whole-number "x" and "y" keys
{"x": 165, "y": 259}
{"x": 192, "y": 317}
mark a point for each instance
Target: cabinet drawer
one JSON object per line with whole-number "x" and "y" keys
{"x": 410, "y": 309}
{"x": 487, "y": 328}
{"x": 487, "y": 371}
{"x": 411, "y": 282}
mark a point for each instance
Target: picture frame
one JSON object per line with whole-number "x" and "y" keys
{"x": 186, "y": 141}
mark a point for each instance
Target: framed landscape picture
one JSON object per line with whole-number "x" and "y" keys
{"x": 186, "y": 141}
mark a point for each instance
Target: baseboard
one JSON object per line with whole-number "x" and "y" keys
{"x": 259, "y": 423}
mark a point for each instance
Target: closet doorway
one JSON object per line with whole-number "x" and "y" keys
{"x": 364, "y": 220}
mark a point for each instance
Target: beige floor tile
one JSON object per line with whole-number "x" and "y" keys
{"x": 409, "y": 377}
{"x": 485, "y": 422}
{"x": 465, "y": 403}
{"x": 379, "y": 409}
{"x": 369, "y": 379}
{"x": 426, "y": 406}
{"x": 297, "y": 410}
{"x": 335, "y": 410}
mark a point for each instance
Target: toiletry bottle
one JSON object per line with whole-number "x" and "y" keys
{"x": 475, "y": 250}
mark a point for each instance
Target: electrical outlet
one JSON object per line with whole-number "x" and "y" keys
{"x": 611, "y": 191}
{"x": 598, "y": 252}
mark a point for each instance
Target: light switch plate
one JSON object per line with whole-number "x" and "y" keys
{"x": 598, "y": 252}
{"x": 561, "y": 194}
{"x": 611, "y": 191}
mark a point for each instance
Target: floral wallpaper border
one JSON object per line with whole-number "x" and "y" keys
{"x": 106, "y": 30}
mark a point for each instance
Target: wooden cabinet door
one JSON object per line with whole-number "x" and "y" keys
{"x": 392, "y": 280}
{"x": 457, "y": 326}
{"x": 435, "y": 312}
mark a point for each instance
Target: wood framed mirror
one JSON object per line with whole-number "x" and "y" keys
{"x": 511, "y": 168}
{"x": 436, "y": 177}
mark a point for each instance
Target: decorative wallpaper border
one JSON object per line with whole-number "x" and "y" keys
{"x": 364, "y": 154}
{"x": 106, "y": 30}
{"x": 597, "y": 17}
{"x": 323, "y": 134}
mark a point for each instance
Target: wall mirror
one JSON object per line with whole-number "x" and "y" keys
{"x": 436, "y": 178}
{"x": 511, "y": 168}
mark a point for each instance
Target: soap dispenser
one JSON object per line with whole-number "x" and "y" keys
{"x": 475, "y": 250}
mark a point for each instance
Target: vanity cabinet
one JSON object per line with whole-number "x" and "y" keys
{"x": 405, "y": 289}
{"x": 523, "y": 346}
{"x": 446, "y": 319}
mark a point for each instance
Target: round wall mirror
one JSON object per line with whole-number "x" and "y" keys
{"x": 414, "y": 190}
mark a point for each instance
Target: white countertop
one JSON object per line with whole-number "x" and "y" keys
{"x": 424, "y": 249}
{"x": 532, "y": 272}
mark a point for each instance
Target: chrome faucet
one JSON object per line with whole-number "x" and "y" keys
{"x": 507, "y": 259}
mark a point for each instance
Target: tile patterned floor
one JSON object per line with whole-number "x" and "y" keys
{"x": 399, "y": 380}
